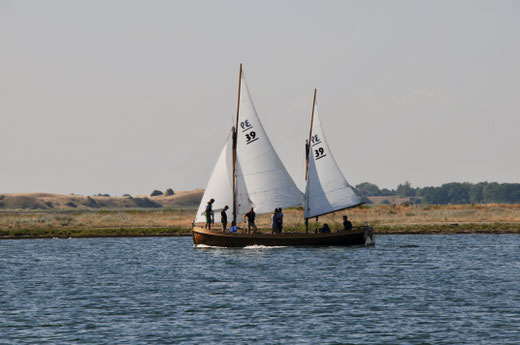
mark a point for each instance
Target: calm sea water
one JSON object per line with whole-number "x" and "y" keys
{"x": 417, "y": 289}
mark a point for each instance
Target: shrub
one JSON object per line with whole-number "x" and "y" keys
{"x": 145, "y": 202}
{"x": 91, "y": 202}
{"x": 169, "y": 191}
{"x": 156, "y": 193}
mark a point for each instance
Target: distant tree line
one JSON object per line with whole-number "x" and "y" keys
{"x": 448, "y": 193}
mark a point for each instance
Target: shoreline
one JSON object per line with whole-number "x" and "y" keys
{"x": 394, "y": 229}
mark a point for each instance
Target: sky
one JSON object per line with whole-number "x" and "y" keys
{"x": 130, "y": 96}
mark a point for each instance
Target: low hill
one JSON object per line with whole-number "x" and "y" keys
{"x": 47, "y": 201}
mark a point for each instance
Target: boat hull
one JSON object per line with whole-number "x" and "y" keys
{"x": 226, "y": 239}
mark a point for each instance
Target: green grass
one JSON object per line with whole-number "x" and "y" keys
{"x": 79, "y": 233}
{"x": 454, "y": 228}
{"x": 491, "y": 228}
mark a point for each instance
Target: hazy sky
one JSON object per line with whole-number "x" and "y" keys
{"x": 130, "y": 96}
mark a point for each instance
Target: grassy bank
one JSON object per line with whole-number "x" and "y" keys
{"x": 85, "y": 233}
{"x": 386, "y": 219}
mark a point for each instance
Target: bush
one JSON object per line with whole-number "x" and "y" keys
{"x": 93, "y": 203}
{"x": 145, "y": 202}
{"x": 156, "y": 193}
{"x": 169, "y": 191}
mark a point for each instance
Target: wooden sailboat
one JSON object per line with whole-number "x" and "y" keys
{"x": 249, "y": 172}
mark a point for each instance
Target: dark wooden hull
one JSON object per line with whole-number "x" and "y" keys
{"x": 226, "y": 239}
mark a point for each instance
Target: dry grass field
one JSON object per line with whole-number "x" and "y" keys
{"x": 502, "y": 218}
{"x": 58, "y": 202}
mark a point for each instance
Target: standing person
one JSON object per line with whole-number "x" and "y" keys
{"x": 251, "y": 221}
{"x": 279, "y": 220}
{"x": 223, "y": 218}
{"x": 208, "y": 212}
{"x": 274, "y": 220}
{"x": 347, "y": 225}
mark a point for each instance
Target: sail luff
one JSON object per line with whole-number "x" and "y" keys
{"x": 235, "y": 148}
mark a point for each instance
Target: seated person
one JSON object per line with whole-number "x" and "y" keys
{"x": 233, "y": 228}
{"x": 325, "y": 228}
{"x": 347, "y": 225}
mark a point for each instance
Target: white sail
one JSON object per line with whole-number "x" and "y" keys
{"x": 243, "y": 200}
{"x": 327, "y": 189}
{"x": 220, "y": 187}
{"x": 269, "y": 185}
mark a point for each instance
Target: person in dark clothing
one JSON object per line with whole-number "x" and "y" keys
{"x": 223, "y": 218}
{"x": 279, "y": 220}
{"x": 274, "y": 226}
{"x": 208, "y": 213}
{"x": 347, "y": 225}
{"x": 251, "y": 221}
{"x": 325, "y": 228}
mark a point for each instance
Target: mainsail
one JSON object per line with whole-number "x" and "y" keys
{"x": 327, "y": 189}
{"x": 220, "y": 185}
{"x": 269, "y": 185}
{"x": 261, "y": 179}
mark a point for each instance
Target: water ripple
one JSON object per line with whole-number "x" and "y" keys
{"x": 454, "y": 289}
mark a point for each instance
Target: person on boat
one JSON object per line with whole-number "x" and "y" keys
{"x": 279, "y": 220}
{"x": 208, "y": 212}
{"x": 251, "y": 220}
{"x": 325, "y": 228}
{"x": 233, "y": 228}
{"x": 223, "y": 218}
{"x": 347, "y": 225}
{"x": 274, "y": 219}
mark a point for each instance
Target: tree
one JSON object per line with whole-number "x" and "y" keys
{"x": 367, "y": 189}
{"x": 405, "y": 189}
{"x": 475, "y": 192}
{"x": 456, "y": 193}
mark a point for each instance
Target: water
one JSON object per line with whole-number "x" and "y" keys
{"x": 417, "y": 289}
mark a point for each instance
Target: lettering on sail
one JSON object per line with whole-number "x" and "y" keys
{"x": 319, "y": 151}
{"x": 249, "y": 134}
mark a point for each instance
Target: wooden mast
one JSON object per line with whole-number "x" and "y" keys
{"x": 235, "y": 133}
{"x": 308, "y": 151}
{"x": 310, "y": 134}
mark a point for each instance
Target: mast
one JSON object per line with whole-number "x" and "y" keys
{"x": 307, "y": 151}
{"x": 310, "y": 134}
{"x": 235, "y": 148}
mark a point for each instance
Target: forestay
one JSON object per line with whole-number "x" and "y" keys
{"x": 220, "y": 186}
{"x": 327, "y": 189}
{"x": 269, "y": 185}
